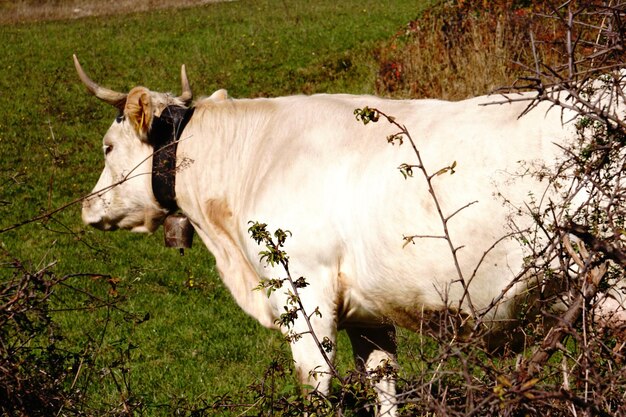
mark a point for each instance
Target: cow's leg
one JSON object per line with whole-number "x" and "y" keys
{"x": 312, "y": 366}
{"x": 313, "y": 371}
{"x": 375, "y": 350}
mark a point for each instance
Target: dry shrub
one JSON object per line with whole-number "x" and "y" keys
{"x": 34, "y": 371}
{"x": 41, "y": 374}
{"x": 571, "y": 49}
{"x": 460, "y": 49}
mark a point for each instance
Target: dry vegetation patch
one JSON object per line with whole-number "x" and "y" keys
{"x": 38, "y": 10}
{"x": 462, "y": 49}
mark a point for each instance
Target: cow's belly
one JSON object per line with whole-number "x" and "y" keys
{"x": 414, "y": 284}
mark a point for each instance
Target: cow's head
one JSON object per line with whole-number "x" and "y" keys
{"x": 123, "y": 196}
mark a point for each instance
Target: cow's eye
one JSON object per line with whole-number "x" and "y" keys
{"x": 120, "y": 118}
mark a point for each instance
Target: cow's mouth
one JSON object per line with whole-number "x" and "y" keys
{"x": 141, "y": 222}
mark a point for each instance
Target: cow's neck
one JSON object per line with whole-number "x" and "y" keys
{"x": 164, "y": 137}
{"x": 209, "y": 193}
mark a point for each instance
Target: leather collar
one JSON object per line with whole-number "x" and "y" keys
{"x": 164, "y": 135}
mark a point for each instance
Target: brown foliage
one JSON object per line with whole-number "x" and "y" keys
{"x": 14, "y": 11}
{"x": 466, "y": 48}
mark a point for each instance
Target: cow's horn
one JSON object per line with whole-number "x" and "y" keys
{"x": 186, "y": 95}
{"x": 108, "y": 96}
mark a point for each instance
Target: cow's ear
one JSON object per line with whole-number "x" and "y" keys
{"x": 138, "y": 110}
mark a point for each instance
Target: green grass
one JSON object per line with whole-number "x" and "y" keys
{"x": 196, "y": 344}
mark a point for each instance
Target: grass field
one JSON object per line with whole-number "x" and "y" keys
{"x": 196, "y": 344}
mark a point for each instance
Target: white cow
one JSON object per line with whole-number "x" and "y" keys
{"x": 305, "y": 164}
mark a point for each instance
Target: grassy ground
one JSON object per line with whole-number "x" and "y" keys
{"x": 196, "y": 344}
